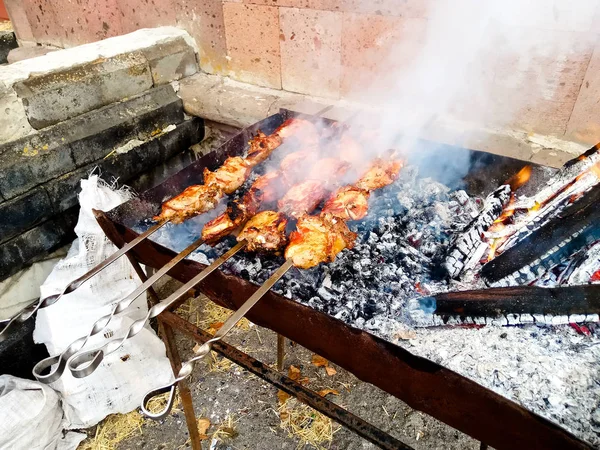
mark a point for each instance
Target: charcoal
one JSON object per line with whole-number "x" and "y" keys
{"x": 469, "y": 240}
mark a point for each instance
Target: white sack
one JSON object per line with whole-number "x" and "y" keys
{"x": 122, "y": 379}
{"x": 32, "y": 417}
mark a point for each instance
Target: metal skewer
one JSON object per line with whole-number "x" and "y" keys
{"x": 102, "y": 322}
{"x": 30, "y": 310}
{"x": 201, "y": 352}
{"x": 83, "y": 364}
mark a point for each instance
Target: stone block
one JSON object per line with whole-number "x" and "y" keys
{"x": 62, "y": 148}
{"x": 23, "y": 212}
{"x": 210, "y": 98}
{"x": 8, "y": 41}
{"x": 171, "y": 61}
{"x": 63, "y": 190}
{"x": 43, "y": 18}
{"x": 311, "y": 43}
{"x": 19, "y": 20}
{"x": 58, "y": 96}
{"x": 13, "y": 120}
{"x": 88, "y": 21}
{"x": 204, "y": 22}
{"x": 28, "y": 162}
{"x": 584, "y": 122}
{"x": 375, "y": 49}
{"x": 253, "y": 43}
{"x": 27, "y": 52}
{"x": 41, "y": 240}
{"x": 97, "y": 133}
{"x": 144, "y": 14}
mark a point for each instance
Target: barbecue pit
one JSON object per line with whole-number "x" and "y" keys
{"x": 350, "y": 318}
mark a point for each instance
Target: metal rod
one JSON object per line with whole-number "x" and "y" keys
{"x": 188, "y": 366}
{"x": 84, "y": 363}
{"x": 30, "y": 310}
{"x": 43, "y": 370}
{"x": 166, "y": 332}
{"x": 280, "y": 351}
{"x": 305, "y": 395}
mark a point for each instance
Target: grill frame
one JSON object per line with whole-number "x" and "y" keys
{"x": 421, "y": 383}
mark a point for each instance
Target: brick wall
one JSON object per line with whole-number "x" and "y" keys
{"x": 332, "y": 48}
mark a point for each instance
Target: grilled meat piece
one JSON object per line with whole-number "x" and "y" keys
{"x": 293, "y": 167}
{"x": 265, "y": 232}
{"x": 261, "y": 147}
{"x": 380, "y": 174}
{"x": 302, "y": 198}
{"x": 194, "y": 200}
{"x": 230, "y": 176}
{"x": 328, "y": 170}
{"x": 218, "y": 228}
{"x": 267, "y": 187}
{"x": 301, "y": 129}
{"x": 263, "y": 190}
{"x": 347, "y": 203}
{"x": 318, "y": 239}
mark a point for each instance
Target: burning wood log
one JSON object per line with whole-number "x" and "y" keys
{"x": 585, "y": 267}
{"x": 560, "y": 237}
{"x": 509, "y": 306}
{"x": 469, "y": 246}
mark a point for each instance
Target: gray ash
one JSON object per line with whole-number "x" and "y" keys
{"x": 398, "y": 253}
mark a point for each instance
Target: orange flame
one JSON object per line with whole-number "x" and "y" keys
{"x": 596, "y": 170}
{"x": 520, "y": 178}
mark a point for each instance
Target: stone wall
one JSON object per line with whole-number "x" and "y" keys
{"x": 109, "y": 107}
{"x": 331, "y": 48}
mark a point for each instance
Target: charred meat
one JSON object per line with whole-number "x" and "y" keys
{"x": 265, "y": 232}
{"x": 263, "y": 190}
{"x": 230, "y": 176}
{"x": 348, "y": 203}
{"x": 302, "y": 198}
{"x": 193, "y": 200}
{"x": 380, "y": 174}
{"x": 318, "y": 239}
{"x": 261, "y": 147}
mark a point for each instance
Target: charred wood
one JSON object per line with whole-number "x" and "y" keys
{"x": 570, "y": 230}
{"x": 465, "y": 246}
{"x": 511, "y": 306}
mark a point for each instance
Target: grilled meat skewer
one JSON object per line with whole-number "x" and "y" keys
{"x": 265, "y": 232}
{"x": 348, "y": 203}
{"x": 233, "y": 173}
{"x": 318, "y": 239}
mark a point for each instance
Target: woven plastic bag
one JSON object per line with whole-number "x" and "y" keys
{"x": 120, "y": 382}
{"x": 32, "y": 417}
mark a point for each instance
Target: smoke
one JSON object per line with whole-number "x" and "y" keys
{"x": 476, "y": 65}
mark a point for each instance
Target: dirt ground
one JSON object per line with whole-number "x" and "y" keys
{"x": 246, "y": 413}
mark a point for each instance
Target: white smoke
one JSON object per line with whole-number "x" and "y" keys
{"x": 484, "y": 64}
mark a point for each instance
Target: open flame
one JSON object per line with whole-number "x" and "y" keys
{"x": 520, "y": 178}
{"x": 512, "y": 213}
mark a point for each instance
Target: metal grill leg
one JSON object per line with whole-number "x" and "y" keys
{"x": 280, "y": 351}
{"x": 166, "y": 332}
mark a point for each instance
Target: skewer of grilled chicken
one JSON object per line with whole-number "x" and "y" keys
{"x": 264, "y": 190}
{"x": 319, "y": 238}
{"x": 233, "y": 173}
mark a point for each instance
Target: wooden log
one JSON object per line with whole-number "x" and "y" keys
{"x": 563, "y": 235}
